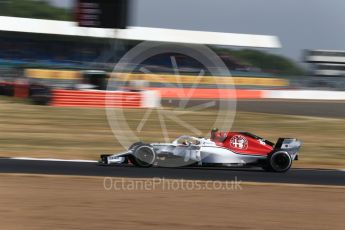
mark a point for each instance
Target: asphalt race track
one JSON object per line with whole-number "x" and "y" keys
{"x": 331, "y": 109}
{"x": 294, "y": 176}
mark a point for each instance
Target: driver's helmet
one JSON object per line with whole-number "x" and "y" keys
{"x": 213, "y": 132}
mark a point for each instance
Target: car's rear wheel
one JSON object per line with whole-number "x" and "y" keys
{"x": 278, "y": 162}
{"x": 143, "y": 156}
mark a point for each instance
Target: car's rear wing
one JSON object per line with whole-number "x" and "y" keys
{"x": 289, "y": 145}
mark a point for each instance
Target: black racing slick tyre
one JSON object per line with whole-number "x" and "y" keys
{"x": 143, "y": 156}
{"x": 278, "y": 162}
{"x": 136, "y": 144}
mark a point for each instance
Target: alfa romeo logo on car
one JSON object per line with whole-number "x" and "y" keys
{"x": 239, "y": 142}
{"x": 171, "y": 118}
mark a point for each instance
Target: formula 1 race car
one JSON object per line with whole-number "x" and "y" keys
{"x": 230, "y": 149}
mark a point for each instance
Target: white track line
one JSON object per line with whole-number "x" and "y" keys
{"x": 51, "y": 159}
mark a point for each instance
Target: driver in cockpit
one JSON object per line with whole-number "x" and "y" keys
{"x": 217, "y": 136}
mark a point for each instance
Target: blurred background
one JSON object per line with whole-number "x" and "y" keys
{"x": 286, "y": 59}
{"x": 283, "y": 75}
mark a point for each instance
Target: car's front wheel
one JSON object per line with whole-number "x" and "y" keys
{"x": 136, "y": 144}
{"x": 143, "y": 156}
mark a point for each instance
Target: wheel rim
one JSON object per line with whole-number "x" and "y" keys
{"x": 281, "y": 161}
{"x": 145, "y": 156}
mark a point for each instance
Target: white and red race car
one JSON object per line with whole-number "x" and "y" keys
{"x": 230, "y": 149}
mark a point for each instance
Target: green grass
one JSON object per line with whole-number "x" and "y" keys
{"x": 73, "y": 133}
